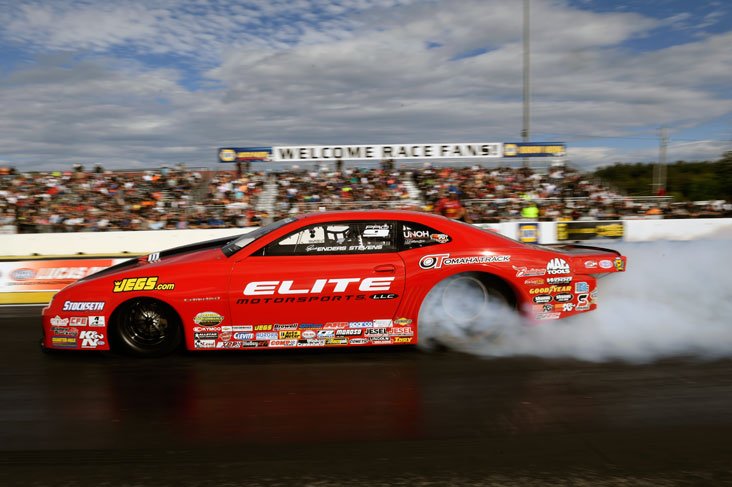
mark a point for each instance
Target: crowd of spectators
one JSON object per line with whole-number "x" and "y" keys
{"x": 359, "y": 188}
{"x": 558, "y": 192}
{"x": 100, "y": 200}
{"x": 177, "y": 198}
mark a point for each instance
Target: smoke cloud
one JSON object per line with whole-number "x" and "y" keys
{"x": 675, "y": 299}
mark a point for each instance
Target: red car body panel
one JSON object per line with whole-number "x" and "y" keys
{"x": 358, "y": 295}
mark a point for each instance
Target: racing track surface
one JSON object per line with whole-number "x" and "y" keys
{"x": 386, "y": 416}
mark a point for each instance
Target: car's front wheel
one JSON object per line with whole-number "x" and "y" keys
{"x": 146, "y": 327}
{"x": 466, "y": 308}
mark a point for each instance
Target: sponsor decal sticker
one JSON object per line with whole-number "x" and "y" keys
{"x": 557, "y": 266}
{"x": 329, "y": 333}
{"x": 241, "y": 328}
{"x": 83, "y": 306}
{"x": 204, "y": 343}
{"x": 262, "y": 327}
{"x": 291, "y": 326}
{"x": 336, "y": 341}
{"x": 401, "y": 330}
{"x": 267, "y": 335}
{"x": 382, "y": 323}
{"x": 206, "y": 328}
{"x": 58, "y": 321}
{"x": 358, "y": 341}
{"x": 559, "y": 280}
{"x": 583, "y": 302}
{"x": 244, "y": 336}
{"x": 228, "y": 344}
{"x": 376, "y": 331}
{"x": 97, "y": 321}
{"x": 548, "y": 316}
{"x": 606, "y": 264}
{"x": 563, "y": 297}
{"x": 349, "y": 332}
{"x": 361, "y": 324}
{"x": 436, "y": 261}
{"x": 308, "y": 334}
{"x": 542, "y": 298}
{"x": 619, "y": 264}
{"x": 91, "y": 339}
{"x": 285, "y": 335}
{"x": 581, "y": 287}
{"x": 63, "y": 342}
{"x": 310, "y": 343}
{"x": 590, "y": 264}
{"x": 403, "y": 322}
{"x": 206, "y": 335}
{"x": 402, "y": 339}
{"x": 336, "y": 325}
{"x": 534, "y": 281}
{"x": 78, "y": 321}
{"x": 64, "y": 331}
{"x": 311, "y": 325}
{"x": 283, "y": 343}
{"x": 208, "y": 318}
{"x": 141, "y": 284}
{"x": 550, "y": 290}
{"x": 528, "y": 272}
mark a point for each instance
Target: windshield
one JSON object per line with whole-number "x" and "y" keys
{"x": 247, "y": 238}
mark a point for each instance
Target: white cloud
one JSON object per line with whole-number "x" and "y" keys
{"x": 355, "y": 71}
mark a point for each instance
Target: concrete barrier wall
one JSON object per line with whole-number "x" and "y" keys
{"x": 142, "y": 242}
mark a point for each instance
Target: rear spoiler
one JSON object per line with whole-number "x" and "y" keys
{"x": 586, "y": 259}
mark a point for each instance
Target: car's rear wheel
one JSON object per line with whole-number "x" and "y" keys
{"x": 466, "y": 308}
{"x": 146, "y": 327}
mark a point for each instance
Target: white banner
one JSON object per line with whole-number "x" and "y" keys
{"x": 478, "y": 150}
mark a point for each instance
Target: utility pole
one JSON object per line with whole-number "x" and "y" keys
{"x": 659, "y": 171}
{"x": 527, "y": 92}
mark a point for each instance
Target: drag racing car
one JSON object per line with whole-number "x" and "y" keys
{"x": 331, "y": 279}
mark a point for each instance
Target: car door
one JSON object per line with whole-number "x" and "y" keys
{"x": 334, "y": 272}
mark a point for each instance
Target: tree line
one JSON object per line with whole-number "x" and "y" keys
{"x": 686, "y": 181}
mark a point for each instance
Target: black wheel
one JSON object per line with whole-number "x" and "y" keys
{"x": 147, "y": 327}
{"x": 466, "y": 308}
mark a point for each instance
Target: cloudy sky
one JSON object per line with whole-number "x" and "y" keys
{"x": 142, "y": 83}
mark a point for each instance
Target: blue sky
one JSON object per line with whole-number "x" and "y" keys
{"x": 142, "y": 83}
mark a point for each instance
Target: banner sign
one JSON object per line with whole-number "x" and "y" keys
{"x": 393, "y": 151}
{"x": 534, "y": 149}
{"x": 590, "y": 230}
{"x": 48, "y": 275}
{"x": 528, "y": 232}
{"x": 476, "y": 150}
{"x": 243, "y": 154}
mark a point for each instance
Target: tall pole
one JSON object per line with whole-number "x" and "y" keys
{"x": 659, "y": 170}
{"x": 662, "y": 160}
{"x": 525, "y": 131}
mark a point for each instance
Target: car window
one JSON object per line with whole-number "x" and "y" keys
{"x": 240, "y": 242}
{"x": 415, "y": 235}
{"x": 360, "y": 237}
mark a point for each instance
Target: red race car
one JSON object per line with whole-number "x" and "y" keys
{"x": 324, "y": 280}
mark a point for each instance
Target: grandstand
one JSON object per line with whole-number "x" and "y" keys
{"x": 176, "y": 198}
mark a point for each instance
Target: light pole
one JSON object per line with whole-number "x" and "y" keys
{"x": 527, "y": 93}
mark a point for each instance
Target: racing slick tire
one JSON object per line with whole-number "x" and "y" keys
{"x": 146, "y": 327}
{"x": 466, "y": 308}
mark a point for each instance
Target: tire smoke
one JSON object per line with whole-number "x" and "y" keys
{"x": 675, "y": 299}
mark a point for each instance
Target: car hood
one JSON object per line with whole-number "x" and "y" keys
{"x": 162, "y": 255}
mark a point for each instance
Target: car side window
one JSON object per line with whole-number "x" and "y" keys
{"x": 415, "y": 235}
{"x": 361, "y": 237}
